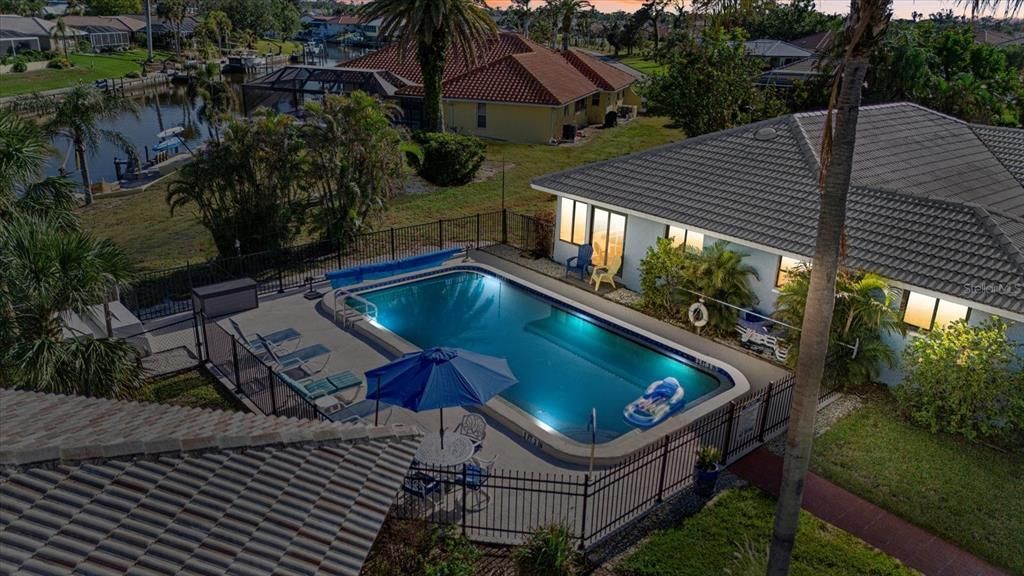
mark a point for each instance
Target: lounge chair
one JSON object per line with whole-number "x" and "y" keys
{"x": 474, "y": 427}
{"x": 313, "y": 388}
{"x": 606, "y": 273}
{"x": 362, "y": 412}
{"x": 276, "y": 339}
{"x": 299, "y": 359}
{"x": 580, "y": 263}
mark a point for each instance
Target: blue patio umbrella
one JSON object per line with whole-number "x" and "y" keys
{"x": 439, "y": 378}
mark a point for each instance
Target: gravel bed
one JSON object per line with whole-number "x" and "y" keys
{"x": 843, "y": 405}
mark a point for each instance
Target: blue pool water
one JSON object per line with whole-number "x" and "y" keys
{"x": 565, "y": 364}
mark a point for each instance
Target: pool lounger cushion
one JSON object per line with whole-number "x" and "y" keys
{"x": 324, "y": 386}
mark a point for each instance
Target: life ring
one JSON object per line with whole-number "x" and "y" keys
{"x": 698, "y": 314}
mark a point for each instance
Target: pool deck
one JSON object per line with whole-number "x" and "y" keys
{"x": 356, "y": 354}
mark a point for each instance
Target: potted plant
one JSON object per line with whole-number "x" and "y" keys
{"x": 708, "y": 469}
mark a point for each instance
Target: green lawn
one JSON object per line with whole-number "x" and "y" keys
{"x": 966, "y": 493}
{"x": 731, "y": 535}
{"x": 88, "y": 67}
{"x": 195, "y": 388}
{"x": 272, "y": 46}
{"x": 143, "y": 226}
{"x": 644, "y": 65}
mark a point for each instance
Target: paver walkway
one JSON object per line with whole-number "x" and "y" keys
{"x": 913, "y": 546}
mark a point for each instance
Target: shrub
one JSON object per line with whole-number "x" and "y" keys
{"x": 965, "y": 380}
{"x": 59, "y": 63}
{"x": 548, "y": 552}
{"x": 669, "y": 276}
{"x": 864, "y": 313}
{"x": 449, "y": 553}
{"x": 132, "y": 74}
{"x": 450, "y": 159}
{"x": 19, "y": 66}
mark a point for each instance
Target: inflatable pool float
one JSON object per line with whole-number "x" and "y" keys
{"x": 661, "y": 399}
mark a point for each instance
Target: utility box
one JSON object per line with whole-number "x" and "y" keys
{"x": 225, "y": 298}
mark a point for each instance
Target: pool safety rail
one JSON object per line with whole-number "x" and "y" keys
{"x": 166, "y": 292}
{"x": 512, "y": 504}
{"x": 349, "y": 307}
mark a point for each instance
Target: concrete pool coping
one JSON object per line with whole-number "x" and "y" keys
{"x": 527, "y": 426}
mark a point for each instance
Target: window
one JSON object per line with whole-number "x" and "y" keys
{"x": 608, "y": 236}
{"x": 565, "y": 111}
{"x": 595, "y": 100}
{"x": 481, "y": 115}
{"x": 581, "y": 105}
{"x": 926, "y": 312}
{"x": 682, "y": 236}
{"x": 786, "y": 266}
{"x": 573, "y": 221}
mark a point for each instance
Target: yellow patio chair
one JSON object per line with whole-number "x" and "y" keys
{"x": 606, "y": 273}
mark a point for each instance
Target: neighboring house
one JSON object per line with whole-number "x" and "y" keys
{"x": 163, "y": 30}
{"x": 787, "y": 76}
{"x": 20, "y": 33}
{"x": 816, "y": 43}
{"x": 516, "y": 90}
{"x": 775, "y": 53}
{"x": 94, "y": 486}
{"x": 107, "y": 32}
{"x": 936, "y": 207}
{"x": 332, "y": 26}
{"x": 998, "y": 39}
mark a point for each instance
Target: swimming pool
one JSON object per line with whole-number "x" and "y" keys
{"x": 567, "y": 362}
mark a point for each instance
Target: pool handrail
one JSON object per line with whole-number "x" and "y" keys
{"x": 366, "y": 308}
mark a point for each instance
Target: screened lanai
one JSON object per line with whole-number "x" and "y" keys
{"x": 285, "y": 90}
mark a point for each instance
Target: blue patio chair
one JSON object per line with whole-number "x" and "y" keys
{"x": 477, "y": 473}
{"x": 580, "y": 263}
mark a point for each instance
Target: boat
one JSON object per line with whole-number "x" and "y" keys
{"x": 660, "y": 400}
{"x": 169, "y": 144}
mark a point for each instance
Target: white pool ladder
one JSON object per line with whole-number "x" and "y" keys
{"x": 352, "y": 307}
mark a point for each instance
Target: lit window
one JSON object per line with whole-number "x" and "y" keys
{"x": 689, "y": 238}
{"x": 572, "y": 225}
{"x": 926, "y": 312}
{"x": 481, "y": 115}
{"x": 608, "y": 236}
{"x": 786, "y": 267}
{"x": 947, "y": 312}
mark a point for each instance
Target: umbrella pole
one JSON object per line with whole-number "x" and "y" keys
{"x": 442, "y": 428}
{"x": 376, "y": 407}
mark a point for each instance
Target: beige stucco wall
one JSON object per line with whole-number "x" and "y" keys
{"x": 515, "y": 122}
{"x": 511, "y": 122}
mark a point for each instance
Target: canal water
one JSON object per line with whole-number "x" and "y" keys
{"x": 159, "y": 111}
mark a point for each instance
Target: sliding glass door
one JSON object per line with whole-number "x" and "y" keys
{"x": 608, "y": 235}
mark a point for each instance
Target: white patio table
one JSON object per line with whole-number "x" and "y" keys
{"x": 457, "y": 449}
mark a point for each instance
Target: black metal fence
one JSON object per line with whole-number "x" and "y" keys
{"x": 251, "y": 376}
{"x": 165, "y": 292}
{"x": 513, "y": 504}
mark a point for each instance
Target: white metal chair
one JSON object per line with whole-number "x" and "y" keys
{"x": 474, "y": 427}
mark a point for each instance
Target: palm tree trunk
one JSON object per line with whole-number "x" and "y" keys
{"x": 432, "y": 60}
{"x": 83, "y": 168}
{"x": 566, "y": 30}
{"x": 817, "y": 320}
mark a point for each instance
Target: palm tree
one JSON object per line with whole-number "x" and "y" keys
{"x": 721, "y": 273}
{"x": 432, "y": 28}
{"x": 62, "y": 28}
{"x": 865, "y": 28}
{"x": 174, "y": 11}
{"x": 50, "y": 266}
{"x": 565, "y": 11}
{"x": 76, "y": 118}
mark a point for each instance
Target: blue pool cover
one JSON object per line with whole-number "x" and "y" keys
{"x": 357, "y": 274}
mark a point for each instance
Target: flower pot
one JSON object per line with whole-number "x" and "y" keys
{"x": 704, "y": 484}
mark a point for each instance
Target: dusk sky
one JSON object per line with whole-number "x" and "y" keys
{"x": 903, "y": 8}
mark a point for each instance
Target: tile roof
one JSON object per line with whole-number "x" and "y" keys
{"x": 124, "y": 23}
{"x": 767, "y": 48}
{"x": 919, "y": 151}
{"x": 953, "y": 226}
{"x": 510, "y": 68}
{"x": 604, "y": 75}
{"x": 817, "y": 42}
{"x": 96, "y": 486}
